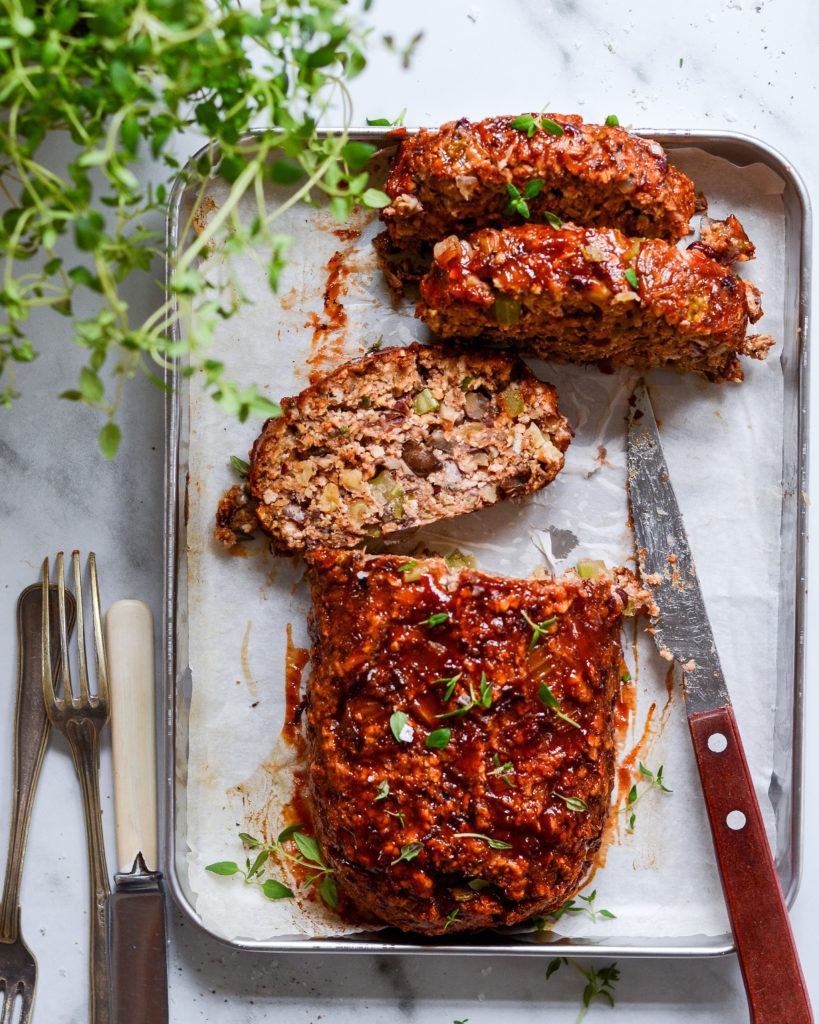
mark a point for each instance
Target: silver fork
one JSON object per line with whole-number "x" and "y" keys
{"x": 18, "y": 967}
{"x": 81, "y": 719}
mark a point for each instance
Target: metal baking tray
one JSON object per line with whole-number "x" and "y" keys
{"x": 786, "y": 782}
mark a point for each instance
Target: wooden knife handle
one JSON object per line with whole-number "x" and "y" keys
{"x": 776, "y": 988}
{"x": 129, "y": 637}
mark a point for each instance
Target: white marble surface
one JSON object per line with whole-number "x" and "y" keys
{"x": 748, "y": 65}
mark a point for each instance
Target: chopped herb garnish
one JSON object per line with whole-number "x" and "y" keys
{"x": 376, "y": 345}
{"x": 631, "y": 276}
{"x": 551, "y": 127}
{"x": 399, "y": 815}
{"x": 494, "y": 844}
{"x": 516, "y": 204}
{"x": 539, "y": 629}
{"x": 476, "y": 884}
{"x": 365, "y": 403}
{"x": 552, "y": 219}
{"x": 439, "y": 739}
{"x": 451, "y": 917}
{"x": 382, "y": 792}
{"x": 408, "y": 567}
{"x": 466, "y": 382}
{"x": 538, "y": 922}
{"x": 435, "y": 620}
{"x": 599, "y": 982}
{"x": 533, "y": 188}
{"x": 625, "y": 677}
{"x": 383, "y": 122}
{"x": 411, "y": 571}
{"x": 408, "y": 852}
{"x": 451, "y": 683}
{"x": 241, "y": 467}
{"x": 553, "y": 703}
{"x": 401, "y": 729}
{"x": 654, "y": 780}
{"x": 503, "y": 771}
{"x": 574, "y": 803}
{"x": 486, "y": 691}
{"x": 612, "y": 121}
{"x": 526, "y": 123}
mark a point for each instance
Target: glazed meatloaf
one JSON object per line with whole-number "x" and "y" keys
{"x": 593, "y": 295}
{"x": 460, "y": 735}
{"x": 463, "y": 176}
{"x": 400, "y": 438}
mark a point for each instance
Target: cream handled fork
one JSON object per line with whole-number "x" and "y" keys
{"x": 81, "y": 719}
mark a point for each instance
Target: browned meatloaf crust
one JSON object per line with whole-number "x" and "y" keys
{"x": 455, "y": 179}
{"x": 510, "y": 759}
{"x": 400, "y": 438}
{"x": 585, "y": 295}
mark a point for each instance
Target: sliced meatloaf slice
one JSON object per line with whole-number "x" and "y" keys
{"x": 463, "y": 175}
{"x": 592, "y": 295}
{"x": 400, "y": 438}
{"x": 460, "y": 735}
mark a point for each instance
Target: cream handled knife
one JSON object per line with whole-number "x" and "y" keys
{"x": 139, "y": 974}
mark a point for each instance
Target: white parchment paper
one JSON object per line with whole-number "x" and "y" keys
{"x": 724, "y": 449}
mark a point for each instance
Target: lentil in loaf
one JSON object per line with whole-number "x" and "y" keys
{"x": 593, "y": 295}
{"x": 397, "y": 439}
{"x": 455, "y": 178}
{"x": 471, "y": 831}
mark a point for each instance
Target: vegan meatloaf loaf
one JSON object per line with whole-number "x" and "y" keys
{"x": 460, "y": 735}
{"x": 464, "y": 175}
{"x": 400, "y": 438}
{"x": 592, "y": 295}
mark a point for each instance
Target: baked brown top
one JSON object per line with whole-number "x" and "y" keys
{"x": 454, "y": 650}
{"x": 575, "y": 294}
{"x": 400, "y": 438}
{"x": 455, "y": 178}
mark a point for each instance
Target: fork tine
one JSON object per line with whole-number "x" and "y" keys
{"x": 82, "y": 664}
{"x": 28, "y": 1003}
{"x": 45, "y": 646}
{"x": 68, "y": 693}
{"x": 8, "y": 1004}
{"x": 99, "y": 640}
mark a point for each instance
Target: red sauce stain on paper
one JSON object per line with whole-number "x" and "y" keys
{"x": 295, "y": 660}
{"x": 329, "y": 329}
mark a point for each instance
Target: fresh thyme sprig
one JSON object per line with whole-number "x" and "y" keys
{"x": 539, "y": 629}
{"x": 653, "y": 780}
{"x": 503, "y": 771}
{"x": 308, "y": 856}
{"x": 551, "y": 702}
{"x": 127, "y": 79}
{"x": 572, "y": 907}
{"x": 482, "y": 699}
{"x": 599, "y": 985}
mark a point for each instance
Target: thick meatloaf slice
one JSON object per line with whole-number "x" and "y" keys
{"x": 471, "y": 828}
{"x": 400, "y": 438}
{"x": 458, "y": 178}
{"x": 586, "y": 295}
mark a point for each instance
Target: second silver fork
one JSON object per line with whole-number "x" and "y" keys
{"x": 81, "y": 720}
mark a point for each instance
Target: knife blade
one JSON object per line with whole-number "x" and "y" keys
{"x": 139, "y": 973}
{"x": 770, "y": 966}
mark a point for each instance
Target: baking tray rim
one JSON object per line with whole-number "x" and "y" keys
{"x": 757, "y": 151}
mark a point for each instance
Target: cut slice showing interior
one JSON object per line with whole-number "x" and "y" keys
{"x": 400, "y": 438}
{"x": 460, "y": 731}
{"x": 593, "y": 295}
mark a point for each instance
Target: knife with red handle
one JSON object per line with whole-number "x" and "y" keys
{"x": 770, "y": 966}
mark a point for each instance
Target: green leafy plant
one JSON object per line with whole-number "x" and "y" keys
{"x": 123, "y": 80}
{"x": 650, "y": 781}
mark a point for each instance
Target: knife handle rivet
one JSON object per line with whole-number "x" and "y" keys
{"x": 717, "y": 742}
{"x": 735, "y": 820}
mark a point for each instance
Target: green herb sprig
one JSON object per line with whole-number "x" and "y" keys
{"x": 408, "y": 852}
{"x": 493, "y": 844}
{"x": 503, "y": 771}
{"x": 308, "y": 856}
{"x": 652, "y": 781}
{"x": 599, "y": 985}
{"x": 551, "y": 702}
{"x": 532, "y": 123}
{"x": 130, "y": 79}
{"x": 539, "y": 629}
{"x": 482, "y": 699}
{"x": 574, "y": 803}
{"x": 517, "y": 199}
{"x": 573, "y": 907}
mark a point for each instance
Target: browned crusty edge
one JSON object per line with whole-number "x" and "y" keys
{"x": 593, "y": 295}
{"x": 454, "y": 179}
{"x": 397, "y": 439}
{"x": 509, "y": 763}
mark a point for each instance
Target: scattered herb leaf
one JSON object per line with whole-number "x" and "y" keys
{"x": 399, "y": 815}
{"x": 408, "y": 852}
{"x": 516, "y": 204}
{"x": 451, "y": 683}
{"x": 653, "y": 780}
{"x": 435, "y": 620}
{"x": 439, "y": 739}
{"x": 401, "y": 729}
{"x": 538, "y": 629}
{"x": 382, "y": 792}
{"x": 452, "y": 917}
{"x": 503, "y": 771}
{"x": 552, "y": 219}
{"x": 549, "y": 699}
{"x": 574, "y": 803}
{"x": 631, "y": 276}
{"x": 241, "y": 467}
{"x": 612, "y": 121}
{"x": 494, "y": 844}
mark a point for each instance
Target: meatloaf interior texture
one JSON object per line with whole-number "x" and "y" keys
{"x": 589, "y": 295}
{"x": 400, "y": 438}
{"x": 458, "y": 178}
{"x": 443, "y": 833}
